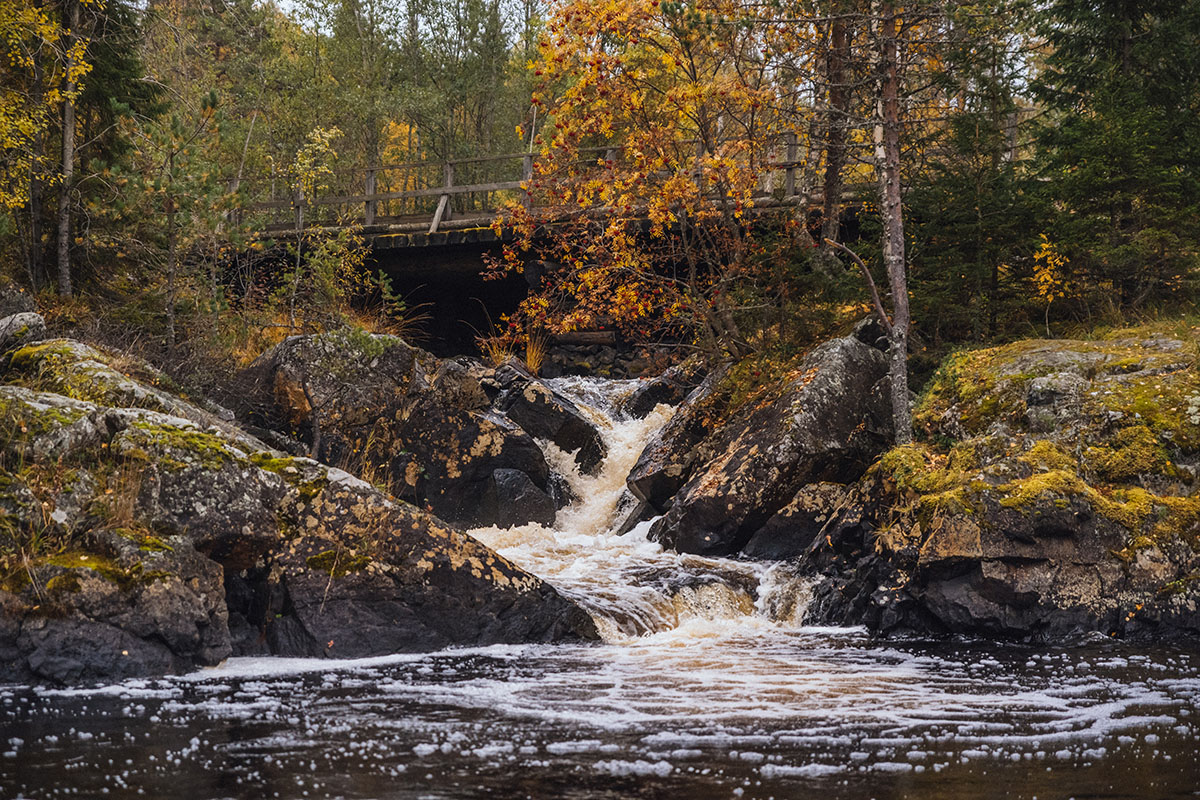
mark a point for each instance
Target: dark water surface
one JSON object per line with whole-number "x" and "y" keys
{"x": 708, "y": 712}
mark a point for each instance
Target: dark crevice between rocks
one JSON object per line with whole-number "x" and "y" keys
{"x": 262, "y": 617}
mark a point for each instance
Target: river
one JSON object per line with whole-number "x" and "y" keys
{"x": 707, "y": 685}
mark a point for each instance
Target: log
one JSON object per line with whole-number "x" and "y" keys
{"x": 585, "y": 337}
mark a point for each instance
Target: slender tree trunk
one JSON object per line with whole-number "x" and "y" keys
{"x": 296, "y": 275}
{"x": 887, "y": 136}
{"x": 35, "y": 254}
{"x": 68, "y": 151}
{"x": 172, "y": 264}
{"x": 835, "y": 129}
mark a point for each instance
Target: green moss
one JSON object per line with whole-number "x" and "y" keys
{"x": 336, "y": 564}
{"x": 1181, "y": 586}
{"x": 1046, "y": 455}
{"x": 1179, "y": 518}
{"x": 146, "y": 542}
{"x": 1135, "y": 451}
{"x": 1158, "y": 402}
{"x": 1132, "y": 508}
{"x": 969, "y": 381}
{"x": 22, "y": 422}
{"x": 988, "y": 385}
{"x": 101, "y": 565}
{"x": 1057, "y": 485}
{"x": 124, "y": 577}
{"x": 197, "y": 447}
{"x": 286, "y": 467}
{"x": 930, "y": 484}
{"x": 32, "y": 355}
{"x": 66, "y": 583}
{"x": 50, "y": 366}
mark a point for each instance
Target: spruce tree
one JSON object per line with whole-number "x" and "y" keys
{"x": 1121, "y": 148}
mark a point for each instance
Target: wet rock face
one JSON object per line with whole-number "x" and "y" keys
{"x": 827, "y": 423}
{"x": 792, "y": 530}
{"x": 125, "y": 530}
{"x": 379, "y": 576}
{"x": 547, "y": 415}
{"x": 123, "y": 609}
{"x": 671, "y": 388}
{"x": 670, "y": 456}
{"x": 1047, "y": 573}
{"x": 1057, "y": 497}
{"x": 423, "y": 428}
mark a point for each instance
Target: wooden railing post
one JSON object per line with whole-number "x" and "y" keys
{"x": 371, "y": 205}
{"x": 789, "y": 179}
{"x": 234, "y": 217}
{"x": 527, "y": 177}
{"x": 443, "y": 208}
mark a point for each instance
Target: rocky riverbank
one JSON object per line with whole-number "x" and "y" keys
{"x": 145, "y": 534}
{"x": 1053, "y": 491}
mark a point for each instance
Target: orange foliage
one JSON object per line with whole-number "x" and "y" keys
{"x": 661, "y": 121}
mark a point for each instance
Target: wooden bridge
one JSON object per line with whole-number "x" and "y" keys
{"x": 430, "y": 203}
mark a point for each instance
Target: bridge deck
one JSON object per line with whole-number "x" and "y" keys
{"x": 463, "y": 212}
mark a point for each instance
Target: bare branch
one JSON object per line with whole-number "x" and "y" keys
{"x": 883, "y": 317}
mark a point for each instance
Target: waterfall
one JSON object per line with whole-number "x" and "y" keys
{"x": 630, "y": 585}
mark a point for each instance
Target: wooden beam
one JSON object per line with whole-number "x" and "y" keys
{"x": 585, "y": 338}
{"x": 441, "y": 210}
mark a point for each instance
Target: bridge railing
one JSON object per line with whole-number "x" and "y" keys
{"x": 430, "y": 194}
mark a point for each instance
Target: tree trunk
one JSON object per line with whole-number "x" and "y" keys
{"x": 68, "y": 150}
{"x": 835, "y": 127}
{"x": 887, "y": 137}
{"x": 35, "y": 253}
{"x": 172, "y": 265}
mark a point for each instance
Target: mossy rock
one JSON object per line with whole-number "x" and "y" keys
{"x": 1135, "y": 451}
{"x": 338, "y": 564}
{"x": 176, "y": 446}
{"x": 1140, "y": 376}
{"x": 299, "y": 473}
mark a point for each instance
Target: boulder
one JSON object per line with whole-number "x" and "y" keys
{"x": 670, "y": 388}
{"x": 15, "y": 301}
{"x": 123, "y": 605}
{"x": 367, "y": 575}
{"x": 71, "y": 369}
{"x": 513, "y": 499}
{"x": 545, "y": 414}
{"x": 793, "y": 529}
{"x": 134, "y": 543}
{"x": 396, "y": 415}
{"x": 1056, "y": 498}
{"x": 672, "y": 453}
{"x": 15, "y": 330}
{"x": 827, "y": 422}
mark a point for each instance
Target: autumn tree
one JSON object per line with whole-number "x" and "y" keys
{"x": 45, "y": 65}
{"x": 658, "y": 125}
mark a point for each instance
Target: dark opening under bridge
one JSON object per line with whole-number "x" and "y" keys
{"x": 428, "y": 225}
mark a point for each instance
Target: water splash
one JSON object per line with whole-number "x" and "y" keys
{"x": 629, "y": 584}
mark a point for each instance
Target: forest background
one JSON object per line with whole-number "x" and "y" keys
{"x": 1002, "y": 168}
